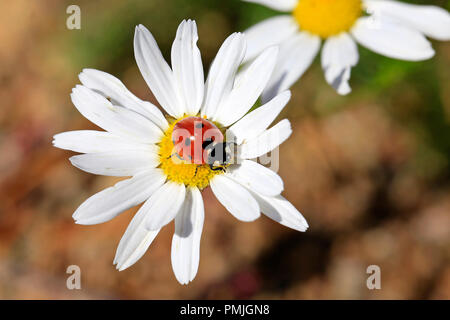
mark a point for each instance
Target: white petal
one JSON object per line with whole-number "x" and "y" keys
{"x": 281, "y": 5}
{"x": 235, "y": 198}
{"x": 118, "y": 120}
{"x": 243, "y": 96}
{"x": 392, "y": 40}
{"x": 136, "y": 248}
{"x": 110, "y": 86}
{"x": 254, "y": 123}
{"x": 269, "y": 32}
{"x": 109, "y": 203}
{"x": 156, "y": 71}
{"x": 267, "y": 141}
{"x": 188, "y": 68}
{"x": 91, "y": 141}
{"x": 165, "y": 204}
{"x": 295, "y": 56}
{"x": 117, "y": 163}
{"x": 135, "y": 241}
{"x": 257, "y": 177}
{"x": 282, "y": 211}
{"x": 339, "y": 55}
{"x": 433, "y": 21}
{"x": 186, "y": 239}
{"x": 137, "y": 238}
{"x": 222, "y": 73}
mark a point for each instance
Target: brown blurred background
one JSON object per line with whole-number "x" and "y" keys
{"x": 370, "y": 171}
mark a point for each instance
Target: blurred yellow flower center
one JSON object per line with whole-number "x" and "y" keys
{"x": 179, "y": 170}
{"x": 326, "y": 18}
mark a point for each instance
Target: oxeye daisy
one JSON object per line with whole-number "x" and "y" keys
{"x": 141, "y": 142}
{"x": 387, "y": 27}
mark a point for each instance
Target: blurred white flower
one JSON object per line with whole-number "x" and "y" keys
{"x": 390, "y": 28}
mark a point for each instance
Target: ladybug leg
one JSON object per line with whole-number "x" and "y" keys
{"x": 175, "y": 154}
{"x": 216, "y": 168}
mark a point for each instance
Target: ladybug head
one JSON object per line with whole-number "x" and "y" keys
{"x": 219, "y": 154}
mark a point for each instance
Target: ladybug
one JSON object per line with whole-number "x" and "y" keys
{"x": 200, "y": 141}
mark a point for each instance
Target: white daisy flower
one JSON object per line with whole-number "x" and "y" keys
{"x": 390, "y": 28}
{"x": 138, "y": 142}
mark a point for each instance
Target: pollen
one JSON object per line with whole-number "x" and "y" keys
{"x": 326, "y": 18}
{"x": 179, "y": 170}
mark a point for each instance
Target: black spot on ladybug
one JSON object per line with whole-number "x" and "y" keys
{"x": 199, "y": 125}
{"x": 178, "y": 156}
{"x": 187, "y": 142}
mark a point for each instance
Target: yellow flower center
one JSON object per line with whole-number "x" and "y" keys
{"x": 179, "y": 170}
{"x": 326, "y": 18}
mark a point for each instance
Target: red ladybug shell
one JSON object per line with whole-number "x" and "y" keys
{"x": 191, "y": 135}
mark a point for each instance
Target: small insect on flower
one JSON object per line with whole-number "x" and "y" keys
{"x": 200, "y": 141}
{"x": 207, "y": 138}
{"x": 390, "y": 28}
